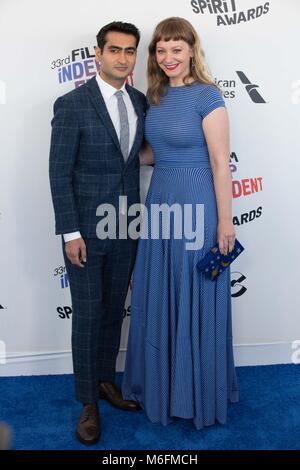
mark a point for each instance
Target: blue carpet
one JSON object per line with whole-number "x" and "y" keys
{"x": 43, "y": 414}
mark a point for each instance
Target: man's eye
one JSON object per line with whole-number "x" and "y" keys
{"x": 130, "y": 52}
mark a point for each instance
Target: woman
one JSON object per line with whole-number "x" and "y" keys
{"x": 179, "y": 358}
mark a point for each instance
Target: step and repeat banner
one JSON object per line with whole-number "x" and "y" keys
{"x": 252, "y": 50}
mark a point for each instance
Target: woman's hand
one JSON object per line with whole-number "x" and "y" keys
{"x": 226, "y": 236}
{"x": 146, "y": 155}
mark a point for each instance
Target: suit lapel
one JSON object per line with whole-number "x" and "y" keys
{"x": 99, "y": 104}
{"x": 140, "y": 123}
{"x": 100, "y": 107}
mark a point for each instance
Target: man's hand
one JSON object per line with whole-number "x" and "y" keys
{"x": 76, "y": 252}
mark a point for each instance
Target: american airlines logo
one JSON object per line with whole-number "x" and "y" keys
{"x": 251, "y": 88}
{"x": 229, "y": 87}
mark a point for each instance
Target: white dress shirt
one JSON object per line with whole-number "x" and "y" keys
{"x": 111, "y": 102}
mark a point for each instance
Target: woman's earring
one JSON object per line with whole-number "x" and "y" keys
{"x": 192, "y": 63}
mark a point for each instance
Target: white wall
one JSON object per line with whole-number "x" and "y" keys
{"x": 264, "y": 140}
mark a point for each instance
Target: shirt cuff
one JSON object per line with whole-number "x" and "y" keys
{"x": 68, "y": 237}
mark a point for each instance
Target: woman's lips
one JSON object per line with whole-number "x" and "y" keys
{"x": 171, "y": 67}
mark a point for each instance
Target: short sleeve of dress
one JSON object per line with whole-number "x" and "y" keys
{"x": 210, "y": 98}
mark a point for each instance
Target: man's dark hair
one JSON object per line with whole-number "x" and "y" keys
{"x": 117, "y": 27}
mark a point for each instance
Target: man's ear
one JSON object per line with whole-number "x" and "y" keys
{"x": 98, "y": 54}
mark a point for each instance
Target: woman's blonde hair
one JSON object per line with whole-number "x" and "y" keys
{"x": 175, "y": 28}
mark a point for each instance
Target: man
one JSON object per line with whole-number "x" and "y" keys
{"x": 97, "y": 132}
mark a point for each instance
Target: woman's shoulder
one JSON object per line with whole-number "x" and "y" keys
{"x": 208, "y": 98}
{"x": 207, "y": 89}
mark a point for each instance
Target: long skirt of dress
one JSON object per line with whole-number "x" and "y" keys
{"x": 179, "y": 359}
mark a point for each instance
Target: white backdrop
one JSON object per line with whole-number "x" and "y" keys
{"x": 36, "y": 43}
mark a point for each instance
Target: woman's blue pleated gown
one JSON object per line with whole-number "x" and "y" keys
{"x": 179, "y": 359}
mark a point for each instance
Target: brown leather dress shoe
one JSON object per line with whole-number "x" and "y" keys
{"x": 88, "y": 428}
{"x": 110, "y": 392}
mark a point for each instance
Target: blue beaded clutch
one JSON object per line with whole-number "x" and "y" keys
{"x": 215, "y": 263}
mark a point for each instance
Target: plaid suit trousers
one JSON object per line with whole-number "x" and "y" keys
{"x": 98, "y": 296}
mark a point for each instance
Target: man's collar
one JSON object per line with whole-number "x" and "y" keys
{"x": 106, "y": 89}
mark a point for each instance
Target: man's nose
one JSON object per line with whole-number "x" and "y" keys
{"x": 122, "y": 57}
